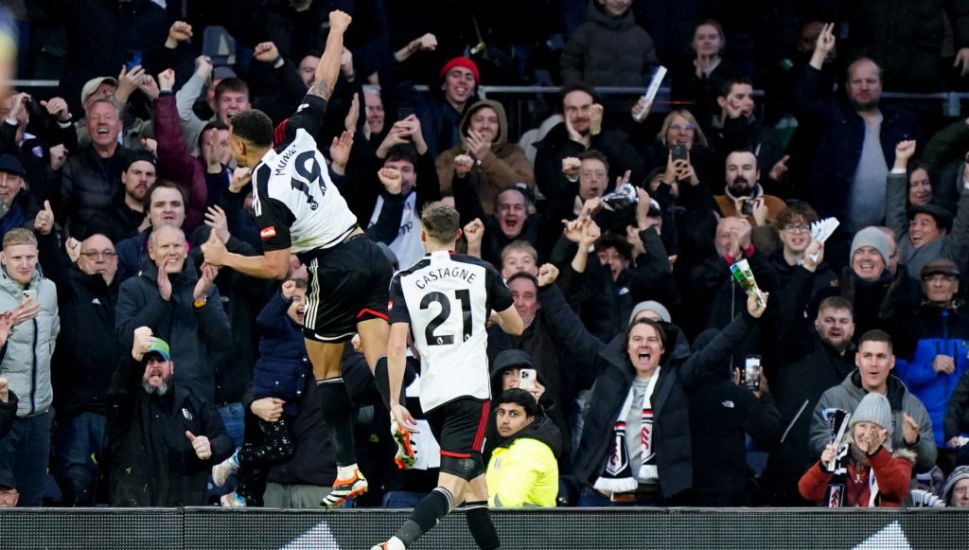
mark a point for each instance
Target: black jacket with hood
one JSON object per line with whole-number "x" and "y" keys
{"x": 551, "y": 409}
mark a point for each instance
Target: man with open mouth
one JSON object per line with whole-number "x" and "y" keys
{"x": 162, "y": 437}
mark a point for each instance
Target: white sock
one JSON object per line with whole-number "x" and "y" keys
{"x": 345, "y": 472}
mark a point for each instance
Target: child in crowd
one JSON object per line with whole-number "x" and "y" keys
{"x": 280, "y": 374}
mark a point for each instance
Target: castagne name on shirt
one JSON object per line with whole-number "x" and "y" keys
{"x": 428, "y": 277}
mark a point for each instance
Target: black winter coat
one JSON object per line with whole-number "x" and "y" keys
{"x": 839, "y": 150}
{"x": 194, "y": 335}
{"x": 87, "y": 350}
{"x": 671, "y": 425}
{"x": 721, "y": 415}
{"x": 557, "y": 145}
{"x": 150, "y": 459}
{"x": 806, "y": 368}
{"x": 90, "y": 185}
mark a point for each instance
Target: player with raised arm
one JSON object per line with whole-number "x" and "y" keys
{"x": 444, "y": 301}
{"x": 299, "y": 210}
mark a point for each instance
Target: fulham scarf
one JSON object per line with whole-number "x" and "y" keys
{"x": 617, "y": 476}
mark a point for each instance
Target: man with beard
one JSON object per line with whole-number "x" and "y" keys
{"x": 808, "y": 363}
{"x": 128, "y": 216}
{"x": 162, "y": 438}
{"x": 743, "y": 195}
{"x": 858, "y": 134}
{"x": 738, "y": 128}
{"x": 176, "y": 302}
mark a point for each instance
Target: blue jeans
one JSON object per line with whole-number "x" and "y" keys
{"x": 401, "y": 499}
{"x": 25, "y": 451}
{"x": 77, "y": 451}
{"x": 590, "y": 498}
{"x": 233, "y": 416}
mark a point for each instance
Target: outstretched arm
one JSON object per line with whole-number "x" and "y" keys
{"x": 328, "y": 69}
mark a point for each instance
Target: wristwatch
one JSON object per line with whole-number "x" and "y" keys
{"x": 200, "y": 302}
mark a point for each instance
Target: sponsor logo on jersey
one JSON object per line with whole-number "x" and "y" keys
{"x": 268, "y": 232}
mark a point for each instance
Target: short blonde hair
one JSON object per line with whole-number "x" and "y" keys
{"x": 19, "y": 235}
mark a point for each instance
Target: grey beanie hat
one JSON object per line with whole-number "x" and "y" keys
{"x": 874, "y": 408}
{"x": 957, "y": 475}
{"x": 655, "y": 307}
{"x": 873, "y": 237}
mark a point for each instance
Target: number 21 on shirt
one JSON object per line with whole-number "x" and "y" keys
{"x": 432, "y": 335}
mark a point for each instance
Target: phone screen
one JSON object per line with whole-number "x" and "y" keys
{"x": 134, "y": 59}
{"x": 747, "y": 209}
{"x": 679, "y": 152}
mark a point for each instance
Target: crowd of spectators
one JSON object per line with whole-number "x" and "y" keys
{"x": 617, "y": 224}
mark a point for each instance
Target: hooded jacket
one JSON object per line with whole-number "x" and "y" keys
{"x": 195, "y": 334}
{"x": 549, "y": 403}
{"x": 503, "y": 166}
{"x": 848, "y": 394}
{"x": 608, "y": 50}
{"x": 523, "y": 470}
{"x": 25, "y": 358}
{"x": 671, "y": 426}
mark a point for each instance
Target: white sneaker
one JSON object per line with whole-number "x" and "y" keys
{"x": 232, "y": 500}
{"x": 223, "y": 470}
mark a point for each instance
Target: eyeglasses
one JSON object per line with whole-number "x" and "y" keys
{"x": 98, "y": 254}
{"x": 677, "y": 127}
{"x": 797, "y": 227}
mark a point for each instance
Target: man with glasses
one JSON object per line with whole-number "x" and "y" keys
{"x": 793, "y": 225}
{"x": 85, "y": 357}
